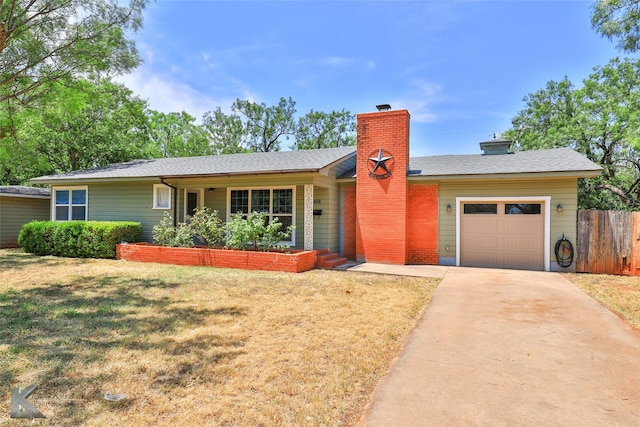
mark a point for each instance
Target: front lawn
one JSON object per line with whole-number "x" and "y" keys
{"x": 620, "y": 294}
{"x": 197, "y": 346}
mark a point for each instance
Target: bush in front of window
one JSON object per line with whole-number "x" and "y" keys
{"x": 77, "y": 239}
{"x": 243, "y": 232}
{"x": 165, "y": 234}
{"x": 253, "y": 230}
{"x": 207, "y": 226}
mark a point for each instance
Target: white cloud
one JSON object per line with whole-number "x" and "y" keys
{"x": 335, "y": 61}
{"x": 167, "y": 95}
{"x": 422, "y": 101}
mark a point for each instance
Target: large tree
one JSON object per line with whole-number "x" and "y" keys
{"x": 601, "y": 119}
{"x": 177, "y": 135}
{"x": 318, "y": 129}
{"x": 225, "y": 132}
{"x": 45, "y": 40}
{"x": 75, "y": 124}
{"x": 619, "y": 21}
{"x": 265, "y": 126}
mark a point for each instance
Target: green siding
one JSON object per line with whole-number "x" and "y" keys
{"x": 245, "y": 181}
{"x": 561, "y": 190}
{"x": 17, "y": 211}
{"x": 216, "y": 200}
{"x": 321, "y": 224}
{"x": 125, "y": 202}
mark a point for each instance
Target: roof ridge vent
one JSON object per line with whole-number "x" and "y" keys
{"x": 496, "y": 146}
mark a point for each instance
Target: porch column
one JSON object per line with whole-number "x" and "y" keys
{"x": 308, "y": 217}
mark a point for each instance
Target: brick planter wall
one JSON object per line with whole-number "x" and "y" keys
{"x": 292, "y": 261}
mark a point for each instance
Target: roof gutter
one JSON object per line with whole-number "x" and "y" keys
{"x": 175, "y": 201}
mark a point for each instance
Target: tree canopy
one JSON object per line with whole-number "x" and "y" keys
{"x": 75, "y": 124}
{"x": 318, "y": 129}
{"x": 600, "y": 120}
{"x": 225, "y": 132}
{"x": 177, "y": 135}
{"x": 262, "y": 128}
{"x": 618, "y": 21}
{"x": 46, "y": 40}
{"x": 265, "y": 125}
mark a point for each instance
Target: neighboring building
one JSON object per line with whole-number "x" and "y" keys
{"x": 19, "y": 205}
{"x": 371, "y": 202}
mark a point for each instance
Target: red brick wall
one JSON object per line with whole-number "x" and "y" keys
{"x": 293, "y": 262}
{"x": 381, "y": 204}
{"x": 349, "y": 221}
{"x": 422, "y": 225}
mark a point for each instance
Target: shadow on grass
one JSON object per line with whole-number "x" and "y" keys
{"x": 16, "y": 258}
{"x": 54, "y": 331}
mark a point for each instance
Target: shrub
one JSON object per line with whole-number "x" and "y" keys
{"x": 165, "y": 234}
{"x": 254, "y": 230}
{"x": 208, "y": 227}
{"x": 77, "y": 239}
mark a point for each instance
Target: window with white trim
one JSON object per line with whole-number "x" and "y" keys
{"x": 276, "y": 202}
{"x": 161, "y": 196}
{"x": 70, "y": 203}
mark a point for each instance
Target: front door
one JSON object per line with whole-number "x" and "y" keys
{"x": 192, "y": 202}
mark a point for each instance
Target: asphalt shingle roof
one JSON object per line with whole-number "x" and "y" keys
{"x": 557, "y": 160}
{"x": 231, "y": 164}
{"x": 19, "y": 190}
{"x": 535, "y": 161}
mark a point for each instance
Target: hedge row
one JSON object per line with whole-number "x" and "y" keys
{"x": 77, "y": 239}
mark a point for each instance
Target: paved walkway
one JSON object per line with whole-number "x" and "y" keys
{"x": 399, "y": 270}
{"x": 511, "y": 348}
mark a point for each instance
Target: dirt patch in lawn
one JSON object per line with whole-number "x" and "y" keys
{"x": 197, "y": 346}
{"x": 620, "y": 294}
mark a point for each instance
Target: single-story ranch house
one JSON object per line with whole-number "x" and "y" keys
{"x": 19, "y": 205}
{"x": 371, "y": 202}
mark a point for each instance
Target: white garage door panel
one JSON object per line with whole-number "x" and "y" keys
{"x": 502, "y": 240}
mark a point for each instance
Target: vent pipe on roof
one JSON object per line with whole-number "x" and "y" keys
{"x": 383, "y": 107}
{"x": 495, "y": 146}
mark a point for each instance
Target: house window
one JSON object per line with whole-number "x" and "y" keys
{"x": 70, "y": 204}
{"x": 161, "y": 196}
{"x": 275, "y": 202}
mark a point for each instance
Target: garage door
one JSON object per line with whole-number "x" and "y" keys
{"x": 502, "y": 235}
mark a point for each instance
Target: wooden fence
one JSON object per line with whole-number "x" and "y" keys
{"x": 608, "y": 242}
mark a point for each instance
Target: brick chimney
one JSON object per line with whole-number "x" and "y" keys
{"x": 382, "y": 189}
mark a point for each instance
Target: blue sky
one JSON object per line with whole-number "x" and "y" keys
{"x": 461, "y": 68}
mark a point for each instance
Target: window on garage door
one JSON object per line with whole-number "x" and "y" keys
{"x": 522, "y": 208}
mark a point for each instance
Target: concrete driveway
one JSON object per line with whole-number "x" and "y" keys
{"x": 512, "y": 348}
